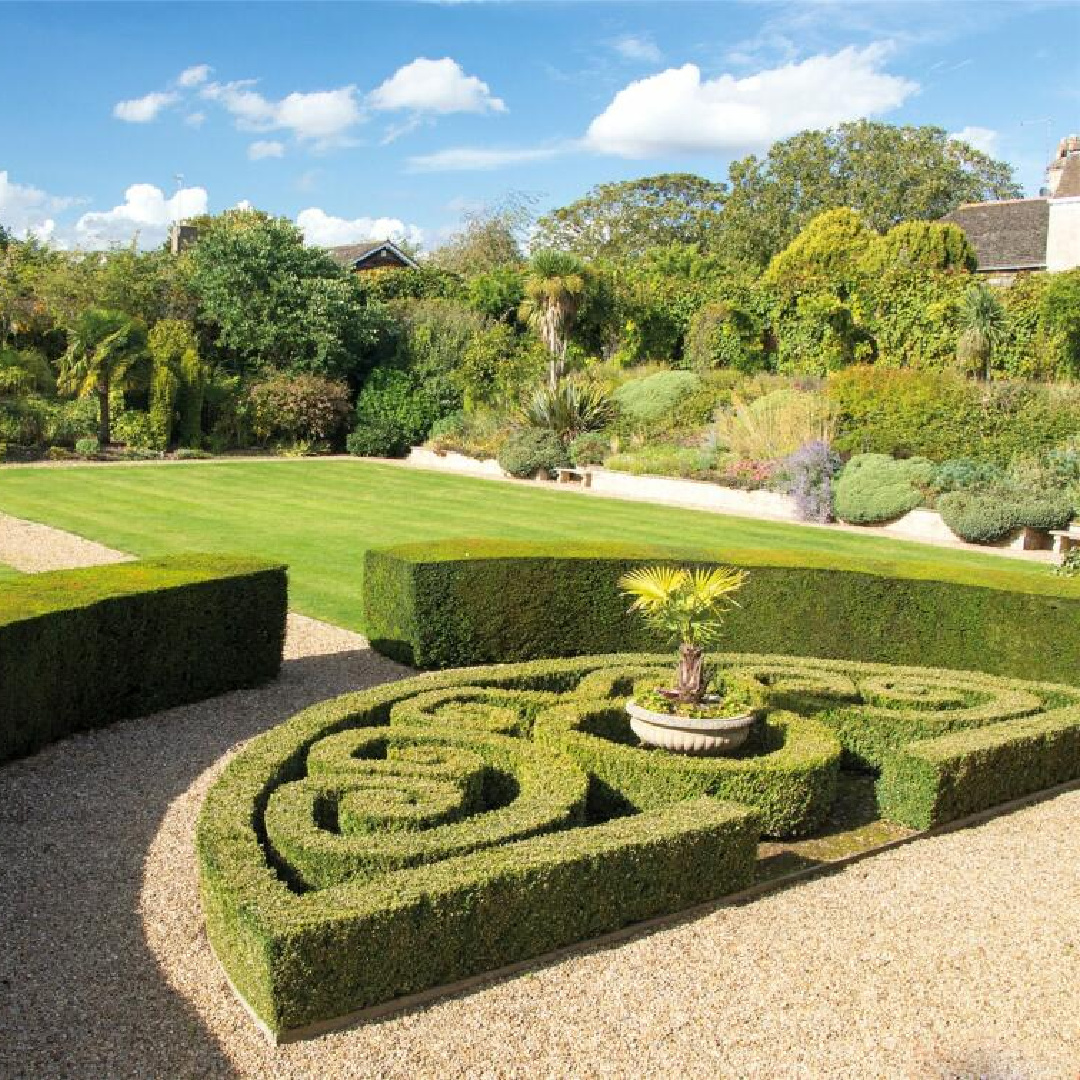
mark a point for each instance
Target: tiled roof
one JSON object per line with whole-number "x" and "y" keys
{"x": 1006, "y": 235}
{"x": 351, "y": 254}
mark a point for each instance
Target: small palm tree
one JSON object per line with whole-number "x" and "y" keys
{"x": 982, "y": 323}
{"x": 103, "y": 346}
{"x": 688, "y": 606}
{"x": 554, "y": 288}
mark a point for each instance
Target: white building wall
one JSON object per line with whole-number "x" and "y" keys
{"x": 1063, "y": 234}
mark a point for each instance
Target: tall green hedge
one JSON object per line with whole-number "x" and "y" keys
{"x": 82, "y": 648}
{"x": 480, "y": 601}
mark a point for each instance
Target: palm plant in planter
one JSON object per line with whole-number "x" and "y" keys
{"x": 688, "y": 607}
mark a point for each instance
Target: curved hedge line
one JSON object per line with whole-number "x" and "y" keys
{"x": 82, "y": 648}
{"x": 480, "y": 601}
{"x": 424, "y": 831}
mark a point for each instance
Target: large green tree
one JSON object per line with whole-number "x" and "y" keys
{"x": 274, "y": 304}
{"x": 888, "y": 174}
{"x": 625, "y": 219}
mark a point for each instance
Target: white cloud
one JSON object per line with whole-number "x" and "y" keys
{"x": 145, "y": 209}
{"x": 322, "y": 117}
{"x": 265, "y": 148}
{"x": 476, "y": 158}
{"x": 194, "y": 76}
{"x": 435, "y": 86}
{"x": 326, "y": 230}
{"x": 29, "y": 210}
{"x": 985, "y": 139}
{"x": 638, "y": 49}
{"x": 195, "y": 119}
{"x": 143, "y": 110}
{"x": 677, "y": 111}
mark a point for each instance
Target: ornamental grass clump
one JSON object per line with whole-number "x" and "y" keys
{"x": 688, "y": 607}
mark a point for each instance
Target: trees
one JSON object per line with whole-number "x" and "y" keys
{"x": 489, "y": 239}
{"x": 982, "y": 325}
{"x": 625, "y": 219}
{"x": 103, "y": 346}
{"x": 888, "y": 174}
{"x": 554, "y": 286}
{"x": 274, "y": 304}
{"x": 1061, "y": 312}
{"x": 177, "y": 384}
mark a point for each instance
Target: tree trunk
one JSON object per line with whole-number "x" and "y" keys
{"x": 104, "y": 419}
{"x": 690, "y": 675}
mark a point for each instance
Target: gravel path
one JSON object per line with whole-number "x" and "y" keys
{"x": 33, "y": 548}
{"x": 956, "y": 956}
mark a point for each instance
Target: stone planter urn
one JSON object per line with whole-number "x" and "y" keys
{"x": 702, "y": 736}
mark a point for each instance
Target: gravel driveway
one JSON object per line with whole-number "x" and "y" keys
{"x": 953, "y": 956}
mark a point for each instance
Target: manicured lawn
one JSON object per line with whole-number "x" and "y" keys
{"x": 319, "y": 517}
{"x": 7, "y": 573}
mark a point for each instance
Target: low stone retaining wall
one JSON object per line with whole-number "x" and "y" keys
{"x": 924, "y": 525}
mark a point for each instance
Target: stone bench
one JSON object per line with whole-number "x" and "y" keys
{"x": 1066, "y": 539}
{"x": 574, "y": 476}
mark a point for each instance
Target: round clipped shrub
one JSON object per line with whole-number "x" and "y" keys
{"x": 87, "y": 448}
{"x": 874, "y": 488}
{"x": 590, "y": 448}
{"x": 533, "y": 451}
{"x": 643, "y": 401}
{"x": 993, "y": 514}
{"x": 299, "y": 408}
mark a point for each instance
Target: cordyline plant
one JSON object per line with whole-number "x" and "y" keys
{"x": 688, "y": 606}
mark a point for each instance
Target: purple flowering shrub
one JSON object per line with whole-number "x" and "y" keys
{"x": 810, "y": 472}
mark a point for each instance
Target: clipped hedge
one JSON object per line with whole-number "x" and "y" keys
{"x": 874, "y": 489}
{"x": 351, "y": 855}
{"x": 481, "y": 601}
{"x": 82, "y": 648}
{"x": 424, "y": 831}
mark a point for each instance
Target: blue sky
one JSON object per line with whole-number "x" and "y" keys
{"x": 368, "y": 119}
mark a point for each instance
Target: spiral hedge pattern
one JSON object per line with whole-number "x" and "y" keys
{"x": 414, "y": 834}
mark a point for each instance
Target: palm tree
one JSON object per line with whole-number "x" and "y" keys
{"x": 688, "y": 606}
{"x": 982, "y": 324}
{"x": 554, "y": 287}
{"x": 103, "y": 346}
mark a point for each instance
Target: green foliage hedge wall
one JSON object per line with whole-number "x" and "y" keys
{"x": 82, "y": 648}
{"x": 481, "y": 601}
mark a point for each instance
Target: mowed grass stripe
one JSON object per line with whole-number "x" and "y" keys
{"x": 320, "y": 516}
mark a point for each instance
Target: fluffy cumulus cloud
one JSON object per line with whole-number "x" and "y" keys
{"x": 145, "y": 210}
{"x": 982, "y": 138}
{"x": 678, "y": 111}
{"x": 265, "y": 148}
{"x": 479, "y": 158}
{"x": 435, "y": 86}
{"x": 326, "y": 230}
{"x": 146, "y": 108}
{"x": 323, "y": 117}
{"x": 29, "y": 211}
